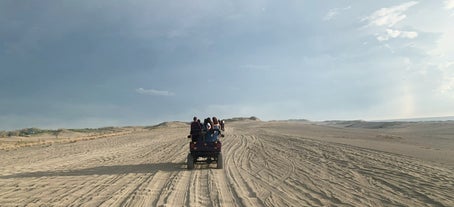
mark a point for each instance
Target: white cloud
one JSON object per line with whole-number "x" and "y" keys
{"x": 334, "y": 12}
{"x": 389, "y": 16}
{"x": 447, "y": 70}
{"x": 154, "y": 92}
{"x": 409, "y": 35}
{"x": 449, "y": 4}
{"x": 390, "y": 33}
{"x": 386, "y": 19}
{"x": 447, "y": 85}
{"x": 389, "y": 47}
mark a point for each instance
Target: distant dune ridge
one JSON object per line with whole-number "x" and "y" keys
{"x": 252, "y": 118}
{"x": 441, "y": 118}
{"x": 365, "y": 124}
{"x": 266, "y": 163}
{"x": 356, "y": 123}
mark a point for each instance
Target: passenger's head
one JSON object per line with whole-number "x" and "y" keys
{"x": 215, "y": 120}
{"x": 195, "y": 118}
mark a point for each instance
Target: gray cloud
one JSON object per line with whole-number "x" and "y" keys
{"x": 272, "y": 59}
{"x": 154, "y": 92}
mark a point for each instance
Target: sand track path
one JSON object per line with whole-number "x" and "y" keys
{"x": 262, "y": 167}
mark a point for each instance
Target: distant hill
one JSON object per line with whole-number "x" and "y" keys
{"x": 365, "y": 124}
{"x": 172, "y": 124}
{"x": 253, "y": 118}
{"x": 30, "y": 132}
{"x": 443, "y": 118}
{"x": 394, "y": 123}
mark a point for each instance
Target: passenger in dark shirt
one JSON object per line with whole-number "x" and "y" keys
{"x": 196, "y": 130}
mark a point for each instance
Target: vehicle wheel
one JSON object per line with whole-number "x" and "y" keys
{"x": 220, "y": 162}
{"x": 190, "y": 162}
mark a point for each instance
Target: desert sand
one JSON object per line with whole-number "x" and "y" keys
{"x": 276, "y": 163}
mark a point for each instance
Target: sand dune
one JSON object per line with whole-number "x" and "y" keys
{"x": 265, "y": 164}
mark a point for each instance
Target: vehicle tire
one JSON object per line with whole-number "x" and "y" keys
{"x": 190, "y": 162}
{"x": 220, "y": 162}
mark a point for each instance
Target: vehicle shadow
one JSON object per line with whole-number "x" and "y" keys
{"x": 104, "y": 170}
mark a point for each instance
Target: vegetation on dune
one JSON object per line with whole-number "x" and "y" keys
{"x": 96, "y": 130}
{"x": 27, "y": 132}
{"x": 24, "y": 132}
{"x": 253, "y": 118}
{"x": 168, "y": 124}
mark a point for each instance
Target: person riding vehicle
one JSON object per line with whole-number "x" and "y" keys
{"x": 196, "y": 130}
{"x": 214, "y": 132}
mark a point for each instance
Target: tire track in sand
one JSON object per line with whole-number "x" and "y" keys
{"x": 262, "y": 167}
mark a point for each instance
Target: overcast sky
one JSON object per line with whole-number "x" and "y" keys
{"x": 93, "y": 63}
